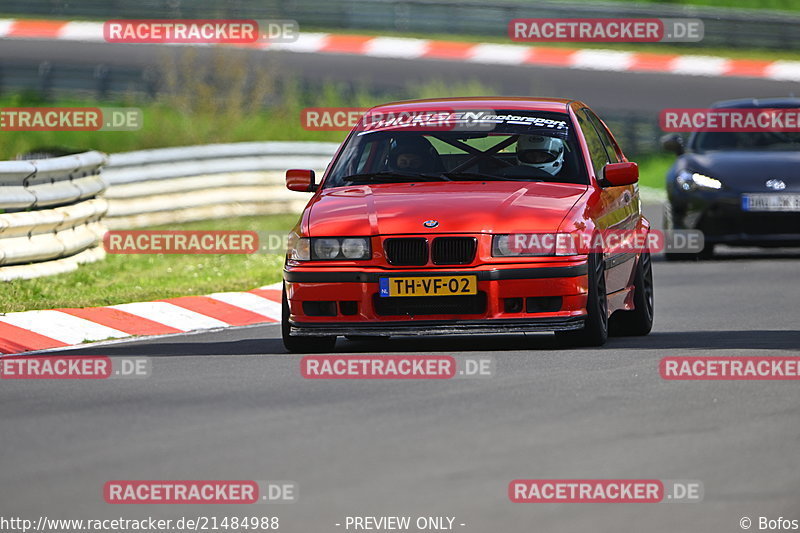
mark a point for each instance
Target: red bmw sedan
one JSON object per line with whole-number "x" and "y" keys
{"x": 455, "y": 216}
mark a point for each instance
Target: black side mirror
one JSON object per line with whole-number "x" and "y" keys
{"x": 672, "y": 142}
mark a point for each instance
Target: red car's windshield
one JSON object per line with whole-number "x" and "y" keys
{"x": 500, "y": 145}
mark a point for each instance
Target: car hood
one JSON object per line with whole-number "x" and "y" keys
{"x": 458, "y": 207}
{"x": 746, "y": 171}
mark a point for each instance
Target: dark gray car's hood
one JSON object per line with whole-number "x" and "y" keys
{"x": 747, "y": 171}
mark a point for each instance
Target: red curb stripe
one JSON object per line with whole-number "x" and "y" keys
{"x": 14, "y": 339}
{"x": 345, "y": 44}
{"x": 121, "y": 320}
{"x": 269, "y": 294}
{"x": 652, "y": 62}
{"x": 448, "y": 50}
{"x": 36, "y": 28}
{"x": 747, "y": 67}
{"x": 230, "y": 314}
{"x": 560, "y": 57}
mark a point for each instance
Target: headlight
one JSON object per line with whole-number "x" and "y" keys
{"x": 299, "y": 248}
{"x": 330, "y": 249}
{"x": 534, "y": 245}
{"x": 326, "y": 248}
{"x": 689, "y": 181}
{"x": 355, "y": 248}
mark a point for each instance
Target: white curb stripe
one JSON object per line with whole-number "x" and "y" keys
{"x": 5, "y": 26}
{"x": 699, "y": 65}
{"x": 506, "y": 54}
{"x": 82, "y": 31}
{"x": 307, "y": 42}
{"x": 396, "y": 47}
{"x": 602, "y": 60}
{"x": 171, "y": 315}
{"x": 61, "y": 326}
{"x": 784, "y": 70}
{"x": 251, "y": 302}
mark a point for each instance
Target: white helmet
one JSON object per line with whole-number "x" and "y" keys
{"x": 539, "y": 151}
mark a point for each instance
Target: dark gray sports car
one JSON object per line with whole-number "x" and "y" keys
{"x": 740, "y": 189}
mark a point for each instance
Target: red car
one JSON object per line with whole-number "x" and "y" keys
{"x": 459, "y": 216}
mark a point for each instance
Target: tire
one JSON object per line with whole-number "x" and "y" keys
{"x": 301, "y": 344}
{"x": 595, "y": 327}
{"x": 639, "y": 321}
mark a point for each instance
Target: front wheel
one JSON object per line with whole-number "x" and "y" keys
{"x": 595, "y": 327}
{"x": 301, "y": 344}
{"x": 639, "y": 321}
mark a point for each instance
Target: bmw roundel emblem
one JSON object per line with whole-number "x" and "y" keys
{"x": 430, "y": 223}
{"x": 776, "y": 185}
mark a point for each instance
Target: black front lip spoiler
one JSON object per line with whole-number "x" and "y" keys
{"x": 438, "y": 327}
{"x": 293, "y": 276}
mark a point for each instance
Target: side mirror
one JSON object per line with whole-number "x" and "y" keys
{"x": 300, "y": 180}
{"x": 672, "y": 142}
{"x": 617, "y": 174}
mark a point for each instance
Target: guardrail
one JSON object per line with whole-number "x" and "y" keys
{"x": 739, "y": 28}
{"x": 50, "y": 214}
{"x": 170, "y": 185}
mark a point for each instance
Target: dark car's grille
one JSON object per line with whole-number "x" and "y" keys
{"x": 454, "y": 250}
{"x": 406, "y": 252}
{"x": 430, "y": 305}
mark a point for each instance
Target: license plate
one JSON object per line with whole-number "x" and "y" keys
{"x": 771, "y": 202}
{"x": 429, "y": 286}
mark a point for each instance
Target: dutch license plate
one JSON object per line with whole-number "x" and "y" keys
{"x": 771, "y": 202}
{"x": 429, "y": 286}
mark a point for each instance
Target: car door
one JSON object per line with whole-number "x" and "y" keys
{"x": 619, "y": 208}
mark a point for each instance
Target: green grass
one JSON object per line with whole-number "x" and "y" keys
{"x": 132, "y": 278}
{"x": 653, "y": 169}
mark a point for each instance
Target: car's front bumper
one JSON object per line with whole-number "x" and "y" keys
{"x": 723, "y": 221}
{"x": 531, "y": 297}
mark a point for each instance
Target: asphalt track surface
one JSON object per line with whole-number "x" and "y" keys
{"x": 620, "y": 91}
{"x": 232, "y": 405}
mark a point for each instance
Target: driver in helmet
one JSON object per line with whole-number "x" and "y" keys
{"x": 541, "y": 152}
{"x": 414, "y": 154}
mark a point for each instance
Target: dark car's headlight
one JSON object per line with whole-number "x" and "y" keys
{"x": 330, "y": 249}
{"x": 690, "y": 181}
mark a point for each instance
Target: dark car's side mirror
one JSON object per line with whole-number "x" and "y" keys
{"x": 618, "y": 174}
{"x": 300, "y": 180}
{"x": 672, "y": 142}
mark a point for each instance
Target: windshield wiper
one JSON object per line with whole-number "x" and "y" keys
{"x": 392, "y": 175}
{"x": 479, "y": 176}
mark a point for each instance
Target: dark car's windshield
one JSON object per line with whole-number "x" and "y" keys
{"x": 498, "y": 145}
{"x": 745, "y": 141}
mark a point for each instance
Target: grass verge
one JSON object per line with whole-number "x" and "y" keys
{"x": 133, "y": 278}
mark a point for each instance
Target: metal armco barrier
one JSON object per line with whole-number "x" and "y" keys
{"x": 50, "y": 214}
{"x": 56, "y": 211}
{"x": 171, "y": 185}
